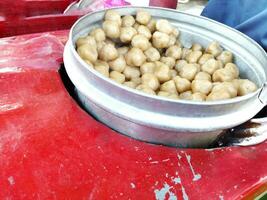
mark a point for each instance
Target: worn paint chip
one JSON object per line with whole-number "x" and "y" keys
{"x": 161, "y": 193}
{"x": 11, "y": 180}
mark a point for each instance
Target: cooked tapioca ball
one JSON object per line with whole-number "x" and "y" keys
{"x": 113, "y": 16}
{"x": 185, "y": 52}
{"x": 196, "y": 47}
{"x": 214, "y": 48}
{"x": 99, "y": 46}
{"x": 98, "y": 34}
{"x": 245, "y": 87}
{"x": 218, "y": 95}
{"x": 109, "y": 41}
{"x": 175, "y": 32}
{"x": 143, "y": 30}
{"x": 236, "y": 83}
{"x": 127, "y": 34}
{"x": 162, "y": 72}
{"x": 148, "y": 67}
{"x": 127, "y": 20}
{"x": 123, "y": 50}
{"x": 222, "y": 75}
{"x": 131, "y": 72}
{"x": 216, "y": 83}
{"x": 228, "y": 86}
{"x": 130, "y": 84}
{"x": 101, "y": 63}
{"x": 197, "y": 96}
{"x": 160, "y": 40}
{"x": 141, "y": 42}
{"x": 88, "y": 63}
{"x": 173, "y": 96}
{"x": 186, "y": 95}
{"x": 151, "y": 25}
{"x": 102, "y": 69}
{"x": 179, "y": 44}
{"x": 87, "y": 52}
{"x": 108, "y": 52}
{"x": 136, "y": 25}
{"x": 172, "y": 40}
{"x": 210, "y": 66}
{"x": 145, "y": 89}
{"x": 221, "y": 65}
{"x": 164, "y": 26}
{"x": 174, "y": 51}
{"x": 136, "y": 80}
{"x": 117, "y": 76}
{"x": 202, "y": 86}
{"x": 204, "y": 58}
{"x": 163, "y": 94}
{"x": 169, "y": 86}
{"x": 135, "y": 57}
{"x": 193, "y": 56}
{"x": 86, "y": 40}
{"x": 158, "y": 63}
{"x": 180, "y": 64}
{"x": 198, "y": 66}
{"x": 143, "y": 17}
{"x": 111, "y": 29}
{"x": 182, "y": 84}
{"x": 151, "y": 81}
{"x": 225, "y": 57}
{"x": 203, "y": 76}
{"x": 170, "y": 61}
{"x": 173, "y": 73}
{"x": 189, "y": 71}
{"x": 118, "y": 64}
{"x": 233, "y": 69}
{"x": 168, "y": 95}
{"x": 152, "y": 54}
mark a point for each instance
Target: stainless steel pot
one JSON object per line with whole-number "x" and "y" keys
{"x": 164, "y": 121}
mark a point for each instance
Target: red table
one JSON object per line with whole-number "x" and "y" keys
{"x": 51, "y": 149}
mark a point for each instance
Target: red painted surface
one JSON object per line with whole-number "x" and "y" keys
{"x": 31, "y": 16}
{"x": 164, "y": 3}
{"x": 51, "y": 149}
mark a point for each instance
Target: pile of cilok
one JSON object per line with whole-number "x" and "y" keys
{"x": 142, "y": 53}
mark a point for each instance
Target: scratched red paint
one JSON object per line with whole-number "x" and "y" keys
{"x": 51, "y": 149}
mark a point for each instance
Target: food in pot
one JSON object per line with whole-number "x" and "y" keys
{"x": 145, "y": 54}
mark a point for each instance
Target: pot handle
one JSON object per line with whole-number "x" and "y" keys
{"x": 250, "y": 133}
{"x": 262, "y": 96}
{"x": 254, "y": 132}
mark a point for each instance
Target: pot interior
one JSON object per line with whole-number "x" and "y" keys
{"x": 248, "y": 56}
